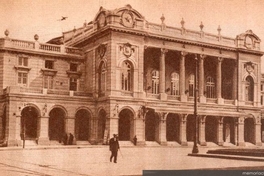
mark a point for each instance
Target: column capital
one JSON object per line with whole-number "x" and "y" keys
{"x": 203, "y": 56}
{"x": 184, "y": 53}
{"x": 220, "y": 59}
{"x": 163, "y": 50}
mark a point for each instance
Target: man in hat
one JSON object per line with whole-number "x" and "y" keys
{"x": 114, "y": 146}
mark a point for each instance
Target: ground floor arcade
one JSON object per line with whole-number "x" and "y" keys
{"x": 47, "y": 125}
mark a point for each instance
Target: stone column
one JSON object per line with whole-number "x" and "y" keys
{"x": 220, "y": 131}
{"x": 182, "y": 77}
{"x": 162, "y": 131}
{"x": 140, "y": 127}
{"x": 183, "y": 128}
{"x": 70, "y": 125}
{"x": 240, "y": 131}
{"x": 18, "y": 131}
{"x": 234, "y": 91}
{"x": 220, "y": 100}
{"x": 202, "y": 98}
{"x": 44, "y": 130}
{"x": 258, "y": 131}
{"x": 162, "y": 80}
{"x": 202, "y": 130}
{"x": 93, "y": 130}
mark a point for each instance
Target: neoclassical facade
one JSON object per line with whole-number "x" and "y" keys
{"x": 121, "y": 74}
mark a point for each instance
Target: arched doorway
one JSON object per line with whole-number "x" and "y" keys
{"x": 101, "y": 126}
{"x": 229, "y": 130}
{"x": 190, "y": 127}
{"x": 125, "y": 125}
{"x": 151, "y": 126}
{"x": 172, "y": 127}
{"x": 56, "y": 124}
{"x": 249, "y": 130}
{"x": 211, "y": 129}
{"x": 82, "y": 125}
{"x": 29, "y": 123}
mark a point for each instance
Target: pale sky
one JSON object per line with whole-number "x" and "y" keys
{"x": 25, "y": 18}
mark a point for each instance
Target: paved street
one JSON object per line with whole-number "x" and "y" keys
{"x": 94, "y": 160}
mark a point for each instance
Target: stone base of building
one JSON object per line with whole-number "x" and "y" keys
{"x": 13, "y": 143}
{"x": 163, "y": 96}
{"x": 258, "y": 144}
{"x": 141, "y": 143}
{"x": 220, "y": 143}
{"x": 184, "y": 144}
{"x": 43, "y": 141}
{"x": 203, "y": 143}
{"x": 184, "y": 98}
{"x": 163, "y": 143}
{"x": 241, "y": 144}
{"x": 220, "y": 101}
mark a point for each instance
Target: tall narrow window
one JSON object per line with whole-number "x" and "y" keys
{"x": 155, "y": 82}
{"x": 210, "y": 87}
{"x": 73, "y": 84}
{"x": 23, "y": 61}
{"x": 191, "y": 85}
{"x": 22, "y": 78}
{"x": 48, "y": 82}
{"x": 73, "y": 67}
{"x": 249, "y": 89}
{"x": 126, "y": 76}
{"x": 102, "y": 78}
{"x": 49, "y": 64}
{"x": 175, "y": 88}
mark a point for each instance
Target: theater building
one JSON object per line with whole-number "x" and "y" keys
{"x": 121, "y": 74}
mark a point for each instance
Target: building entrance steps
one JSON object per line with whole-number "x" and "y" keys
{"x": 82, "y": 143}
{"x": 30, "y": 143}
{"x": 125, "y": 143}
{"x": 152, "y": 144}
{"x": 173, "y": 143}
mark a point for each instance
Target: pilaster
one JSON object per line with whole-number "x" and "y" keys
{"x": 202, "y": 130}
{"x": 240, "y": 139}
{"x": 183, "y": 128}
{"x": 44, "y": 131}
{"x": 183, "y": 96}
{"x": 220, "y": 131}
{"x": 202, "y": 98}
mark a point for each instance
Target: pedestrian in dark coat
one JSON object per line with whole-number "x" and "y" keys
{"x": 114, "y": 146}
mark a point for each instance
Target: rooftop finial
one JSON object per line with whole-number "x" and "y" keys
{"x": 36, "y": 37}
{"x": 6, "y": 33}
{"x": 182, "y": 23}
{"x": 162, "y": 19}
{"x": 201, "y": 26}
{"x": 219, "y": 30}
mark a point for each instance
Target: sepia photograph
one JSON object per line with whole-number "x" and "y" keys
{"x": 131, "y": 87}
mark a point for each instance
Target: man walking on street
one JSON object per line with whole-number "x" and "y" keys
{"x": 114, "y": 146}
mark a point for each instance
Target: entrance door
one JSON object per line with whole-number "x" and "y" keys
{"x": 56, "y": 124}
{"x": 82, "y": 125}
{"x": 125, "y": 125}
{"x": 29, "y": 123}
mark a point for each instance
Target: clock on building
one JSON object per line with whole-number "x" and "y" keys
{"x": 127, "y": 19}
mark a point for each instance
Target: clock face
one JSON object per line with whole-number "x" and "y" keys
{"x": 101, "y": 20}
{"x": 127, "y": 19}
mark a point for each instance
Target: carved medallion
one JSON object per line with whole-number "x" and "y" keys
{"x": 101, "y": 50}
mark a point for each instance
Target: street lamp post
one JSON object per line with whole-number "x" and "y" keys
{"x": 195, "y": 147}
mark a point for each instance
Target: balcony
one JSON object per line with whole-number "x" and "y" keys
{"x": 41, "y": 91}
{"x": 8, "y": 43}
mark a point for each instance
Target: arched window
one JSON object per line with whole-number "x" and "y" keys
{"x": 249, "y": 89}
{"x": 126, "y": 76}
{"x": 102, "y": 78}
{"x": 210, "y": 87}
{"x": 191, "y": 85}
{"x": 155, "y": 82}
{"x": 175, "y": 88}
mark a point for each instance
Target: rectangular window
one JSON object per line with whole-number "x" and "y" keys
{"x": 73, "y": 67}
{"x": 261, "y": 100}
{"x": 48, "y": 82}
{"x": 22, "y": 78}
{"x": 49, "y": 64}
{"x": 23, "y": 61}
{"x": 73, "y": 84}
{"x": 261, "y": 87}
